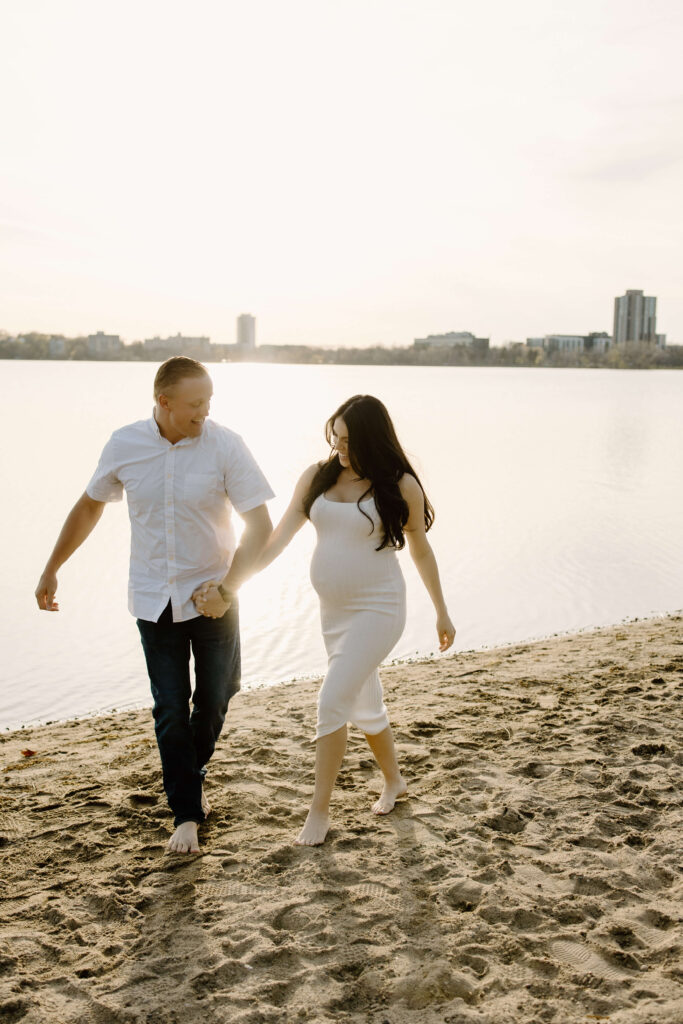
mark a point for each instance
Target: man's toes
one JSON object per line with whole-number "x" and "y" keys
{"x": 183, "y": 841}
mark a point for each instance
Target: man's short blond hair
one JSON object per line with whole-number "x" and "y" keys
{"x": 173, "y": 371}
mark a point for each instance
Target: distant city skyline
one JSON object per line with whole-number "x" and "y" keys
{"x": 635, "y": 320}
{"x": 355, "y": 174}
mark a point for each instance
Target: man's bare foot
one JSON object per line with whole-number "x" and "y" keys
{"x": 314, "y": 831}
{"x": 184, "y": 839}
{"x": 388, "y": 797}
{"x": 206, "y": 806}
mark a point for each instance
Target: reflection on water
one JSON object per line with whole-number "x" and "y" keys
{"x": 557, "y": 495}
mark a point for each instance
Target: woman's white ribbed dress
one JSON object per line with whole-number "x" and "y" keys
{"x": 362, "y": 610}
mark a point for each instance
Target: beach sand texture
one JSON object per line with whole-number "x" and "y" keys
{"x": 533, "y": 875}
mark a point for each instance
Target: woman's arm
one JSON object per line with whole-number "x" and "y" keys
{"x": 208, "y": 599}
{"x": 290, "y": 524}
{"x": 423, "y": 557}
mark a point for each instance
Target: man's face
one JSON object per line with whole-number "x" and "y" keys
{"x": 186, "y": 408}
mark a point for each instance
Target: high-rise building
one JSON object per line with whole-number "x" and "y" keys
{"x": 57, "y": 347}
{"x": 635, "y": 318}
{"x": 246, "y": 330}
{"x": 102, "y": 344}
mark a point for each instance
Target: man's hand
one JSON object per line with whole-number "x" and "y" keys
{"x": 208, "y": 601}
{"x": 79, "y": 524}
{"x": 45, "y": 592}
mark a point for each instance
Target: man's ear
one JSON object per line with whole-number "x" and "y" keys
{"x": 163, "y": 401}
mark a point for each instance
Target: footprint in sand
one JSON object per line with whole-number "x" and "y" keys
{"x": 228, "y": 890}
{"x": 220, "y": 978}
{"x": 536, "y": 770}
{"x": 369, "y": 891}
{"x": 582, "y": 958}
{"x": 435, "y": 983}
{"x": 281, "y": 960}
{"x": 141, "y": 798}
{"x": 649, "y": 749}
{"x": 508, "y": 820}
{"x": 292, "y": 917}
{"x": 425, "y": 728}
{"x": 11, "y": 826}
{"x": 463, "y": 894}
{"x": 654, "y": 918}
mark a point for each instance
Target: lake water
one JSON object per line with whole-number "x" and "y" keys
{"x": 558, "y": 496}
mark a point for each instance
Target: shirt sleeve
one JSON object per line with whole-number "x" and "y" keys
{"x": 105, "y": 484}
{"x": 245, "y": 484}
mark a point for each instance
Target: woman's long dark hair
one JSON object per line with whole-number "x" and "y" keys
{"x": 375, "y": 454}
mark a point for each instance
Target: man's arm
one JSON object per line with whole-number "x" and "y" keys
{"x": 257, "y": 529}
{"x": 79, "y": 524}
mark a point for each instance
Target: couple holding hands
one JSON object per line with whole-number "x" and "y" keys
{"x": 183, "y": 474}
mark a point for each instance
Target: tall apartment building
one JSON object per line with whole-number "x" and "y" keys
{"x": 57, "y": 347}
{"x": 102, "y": 344}
{"x": 246, "y": 330}
{"x": 635, "y": 318}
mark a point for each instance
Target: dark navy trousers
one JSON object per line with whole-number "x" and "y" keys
{"x": 187, "y": 736}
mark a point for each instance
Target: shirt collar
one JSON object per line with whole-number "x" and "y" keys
{"x": 154, "y": 427}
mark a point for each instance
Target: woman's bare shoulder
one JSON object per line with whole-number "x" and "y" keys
{"x": 409, "y": 487}
{"x": 308, "y": 475}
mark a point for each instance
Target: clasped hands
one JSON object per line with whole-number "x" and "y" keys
{"x": 208, "y": 601}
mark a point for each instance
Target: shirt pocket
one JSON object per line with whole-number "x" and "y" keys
{"x": 200, "y": 489}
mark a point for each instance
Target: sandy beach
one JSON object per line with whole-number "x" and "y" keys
{"x": 533, "y": 874}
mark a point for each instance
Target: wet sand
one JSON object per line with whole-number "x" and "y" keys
{"x": 533, "y": 874}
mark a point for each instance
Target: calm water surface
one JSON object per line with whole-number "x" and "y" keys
{"x": 557, "y": 492}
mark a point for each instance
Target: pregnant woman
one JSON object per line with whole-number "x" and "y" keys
{"x": 364, "y": 501}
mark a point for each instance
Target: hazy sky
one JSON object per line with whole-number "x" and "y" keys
{"x": 349, "y": 171}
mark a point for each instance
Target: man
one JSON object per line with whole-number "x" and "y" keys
{"x": 182, "y": 474}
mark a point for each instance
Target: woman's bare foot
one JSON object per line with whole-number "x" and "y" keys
{"x": 389, "y": 795}
{"x": 315, "y": 829}
{"x": 184, "y": 839}
{"x": 206, "y": 806}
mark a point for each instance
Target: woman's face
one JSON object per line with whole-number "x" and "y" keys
{"x": 340, "y": 440}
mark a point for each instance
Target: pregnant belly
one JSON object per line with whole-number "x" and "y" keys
{"x": 366, "y": 579}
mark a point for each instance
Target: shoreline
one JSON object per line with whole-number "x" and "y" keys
{"x": 532, "y": 873}
{"x": 589, "y": 363}
{"x": 416, "y": 659}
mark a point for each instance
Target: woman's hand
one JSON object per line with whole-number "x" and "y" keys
{"x": 445, "y": 630}
{"x": 423, "y": 556}
{"x": 208, "y": 601}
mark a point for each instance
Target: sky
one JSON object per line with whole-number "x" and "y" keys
{"x": 351, "y": 172}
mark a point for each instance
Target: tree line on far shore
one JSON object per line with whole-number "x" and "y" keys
{"x": 619, "y": 357}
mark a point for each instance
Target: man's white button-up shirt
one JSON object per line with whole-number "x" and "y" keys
{"x": 180, "y": 501}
